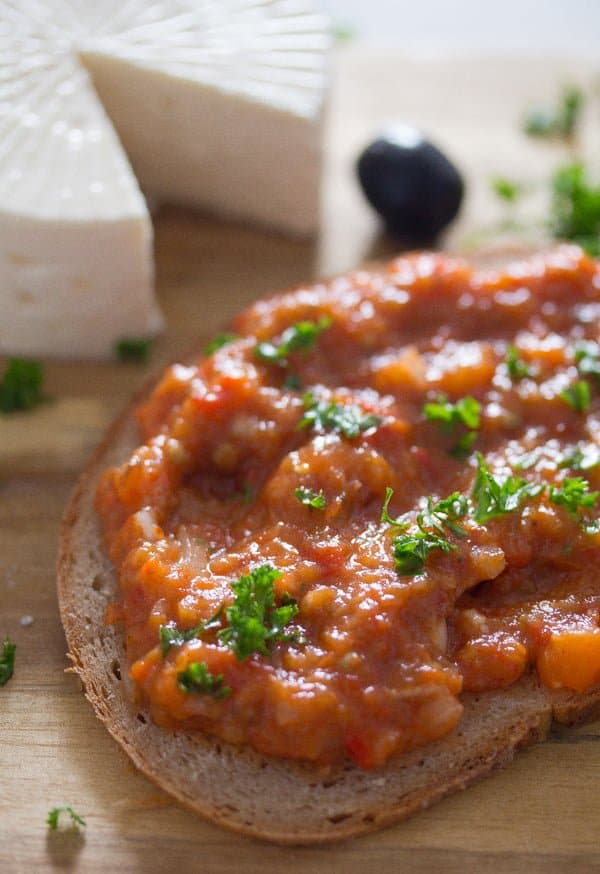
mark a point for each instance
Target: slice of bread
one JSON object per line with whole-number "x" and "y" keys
{"x": 235, "y": 787}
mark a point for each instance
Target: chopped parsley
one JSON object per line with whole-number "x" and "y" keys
{"x": 466, "y": 412}
{"x": 516, "y": 367}
{"x": 578, "y": 396}
{"x": 462, "y": 447}
{"x": 444, "y": 514}
{"x": 21, "y": 385}
{"x": 133, "y": 349}
{"x": 506, "y": 189}
{"x": 411, "y": 550}
{"x": 310, "y": 498}
{"x": 169, "y": 635}
{"x": 218, "y": 342}
{"x": 7, "y": 661}
{"x": 350, "y": 420}
{"x": 560, "y": 121}
{"x": 587, "y": 357}
{"x": 55, "y": 813}
{"x": 254, "y": 619}
{"x": 493, "y": 498}
{"x": 385, "y": 515}
{"x": 573, "y": 494}
{"x": 292, "y": 381}
{"x": 575, "y": 208}
{"x": 343, "y": 33}
{"x": 299, "y": 337}
{"x": 198, "y": 679}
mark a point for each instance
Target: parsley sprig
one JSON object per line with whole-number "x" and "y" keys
{"x": 135, "y": 350}
{"x": 587, "y": 357}
{"x": 578, "y": 396}
{"x": 218, "y": 342}
{"x": 573, "y": 494}
{"x": 493, "y": 498}
{"x": 254, "y": 619}
{"x": 7, "y": 661}
{"x": 575, "y": 208}
{"x": 54, "y": 815}
{"x": 299, "y": 337}
{"x": 350, "y": 420}
{"x": 466, "y": 412}
{"x": 516, "y": 367}
{"x": 559, "y": 121}
{"x": 310, "y": 498}
{"x": 506, "y": 189}
{"x": 198, "y": 679}
{"x": 169, "y": 635}
{"x": 21, "y": 385}
{"x": 411, "y": 549}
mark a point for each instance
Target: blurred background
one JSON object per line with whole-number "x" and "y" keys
{"x": 430, "y": 27}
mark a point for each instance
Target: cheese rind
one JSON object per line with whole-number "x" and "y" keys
{"x": 218, "y": 105}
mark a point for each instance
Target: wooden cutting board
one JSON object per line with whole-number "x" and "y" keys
{"x": 542, "y": 813}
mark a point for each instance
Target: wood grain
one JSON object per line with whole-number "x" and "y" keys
{"x": 542, "y": 814}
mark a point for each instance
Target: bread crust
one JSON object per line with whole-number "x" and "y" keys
{"x": 276, "y": 800}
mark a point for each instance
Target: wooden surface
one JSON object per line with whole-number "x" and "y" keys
{"x": 542, "y": 814}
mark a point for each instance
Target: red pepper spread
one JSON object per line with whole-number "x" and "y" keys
{"x": 379, "y": 494}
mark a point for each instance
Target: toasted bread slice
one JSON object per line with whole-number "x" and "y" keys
{"x": 277, "y": 800}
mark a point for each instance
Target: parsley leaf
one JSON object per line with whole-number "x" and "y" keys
{"x": 299, "y": 337}
{"x": 506, "y": 189}
{"x": 558, "y": 122}
{"x": 343, "y": 33}
{"x": 169, "y": 635}
{"x": 411, "y": 550}
{"x": 465, "y": 412}
{"x": 292, "y": 381}
{"x": 310, "y": 498}
{"x": 54, "y": 815}
{"x": 7, "y": 661}
{"x": 572, "y": 494}
{"x": 254, "y": 620}
{"x": 133, "y": 349}
{"x": 218, "y": 342}
{"x": 347, "y": 419}
{"x": 587, "y": 356}
{"x": 578, "y": 396}
{"x": 385, "y": 516}
{"x": 444, "y": 514}
{"x": 493, "y": 498}
{"x": 575, "y": 208}
{"x": 462, "y": 447}
{"x": 517, "y": 368}
{"x": 21, "y": 385}
{"x": 197, "y": 678}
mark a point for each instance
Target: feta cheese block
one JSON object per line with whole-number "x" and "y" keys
{"x": 213, "y": 103}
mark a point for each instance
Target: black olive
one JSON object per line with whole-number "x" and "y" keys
{"x": 411, "y": 184}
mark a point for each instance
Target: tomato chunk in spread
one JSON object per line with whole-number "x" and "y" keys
{"x": 464, "y": 402}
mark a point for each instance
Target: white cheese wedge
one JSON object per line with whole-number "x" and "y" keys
{"x": 213, "y": 103}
